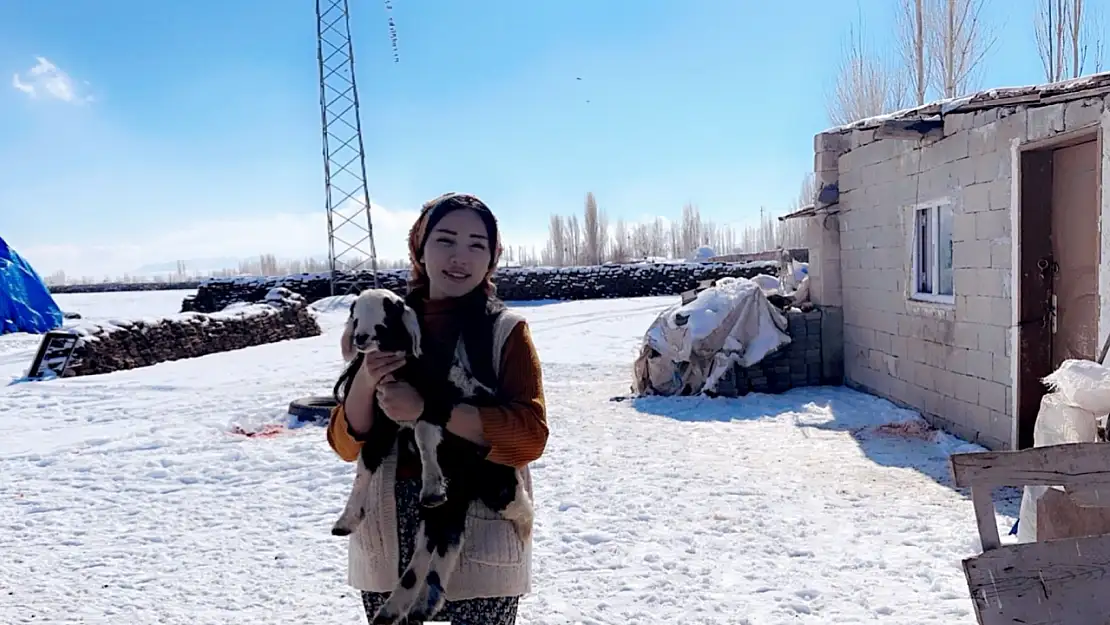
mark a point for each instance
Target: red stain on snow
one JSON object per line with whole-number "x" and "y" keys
{"x": 267, "y": 431}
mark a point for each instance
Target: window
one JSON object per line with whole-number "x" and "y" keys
{"x": 932, "y": 254}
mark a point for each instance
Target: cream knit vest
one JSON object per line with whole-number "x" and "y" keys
{"x": 495, "y": 562}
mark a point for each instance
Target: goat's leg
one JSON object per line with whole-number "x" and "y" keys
{"x": 444, "y": 546}
{"x": 520, "y": 510}
{"x": 369, "y": 461}
{"x": 433, "y": 487}
{"x": 397, "y": 607}
{"x": 355, "y": 510}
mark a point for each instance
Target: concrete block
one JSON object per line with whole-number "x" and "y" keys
{"x": 1000, "y": 369}
{"x": 1081, "y": 113}
{"x": 832, "y": 345}
{"x": 976, "y": 198}
{"x": 824, "y": 162}
{"x": 965, "y": 280}
{"x": 1010, "y": 127}
{"x": 999, "y": 193}
{"x": 1001, "y": 256}
{"x": 992, "y": 338}
{"x": 963, "y": 226}
{"x": 980, "y": 364}
{"x": 970, "y": 254}
{"x": 1044, "y": 121}
{"x": 992, "y": 395}
{"x": 992, "y": 225}
{"x": 984, "y": 117}
{"x": 965, "y": 335}
{"x": 956, "y": 360}
{"x": 989, "y": 167}
{"x": 966, "y": 389}
{"x": 993, "y": 282}
{"x": 831, "y": 142}
{"x": 977, "y": 309}
{"x": 850, "y": 180}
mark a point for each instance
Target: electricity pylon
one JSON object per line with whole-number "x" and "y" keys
{"x": 350, "y": 229}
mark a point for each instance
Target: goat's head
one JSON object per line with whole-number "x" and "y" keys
{"x": 380, "y": 319}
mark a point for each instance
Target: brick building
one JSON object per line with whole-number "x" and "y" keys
{"x": 958, "y": 247}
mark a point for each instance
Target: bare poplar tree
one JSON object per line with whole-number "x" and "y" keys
{"x": 620, "y": 241}
{"x": 960, "y": 39}
{"x": 807, "y": 191}
{"x": 1065, "y": 31}
{"x": 603, "y": 236}
{"x": 574, "y": 240}
{"x": 691, "y": 230}
{"x": 556, "y": 242}
{"x": 913, "y": 28}
{"x": 865, "y": 86}
{"x": 591, "y": 234}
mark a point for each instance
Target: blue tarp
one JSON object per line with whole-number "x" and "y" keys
{"x": 25, "y": 303}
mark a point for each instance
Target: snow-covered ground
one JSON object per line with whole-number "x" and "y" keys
{"x": 126, "y": 498}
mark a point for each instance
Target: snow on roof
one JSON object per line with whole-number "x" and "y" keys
{"x": 1050, "y": 93}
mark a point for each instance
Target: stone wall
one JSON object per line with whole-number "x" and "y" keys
{"x": 797, "y": 364}
{"x": 111, "y": 287}
{"x": 951, "y": 361}
{"x": 104, "y": 348}
{"x": 513, "y": 283}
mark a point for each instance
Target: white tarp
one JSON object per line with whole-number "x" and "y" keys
{"x": 1071, "y": 413}
{"x": 690, "y": 346}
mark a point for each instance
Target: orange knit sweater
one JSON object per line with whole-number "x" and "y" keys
{"x": 516, "y": 430}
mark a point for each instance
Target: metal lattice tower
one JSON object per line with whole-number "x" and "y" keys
{"x": 350, "y": 230}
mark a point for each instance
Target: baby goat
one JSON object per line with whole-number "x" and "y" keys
{"x": 453, "y": 471}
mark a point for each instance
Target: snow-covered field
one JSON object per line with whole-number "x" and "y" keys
{"x": 126, "y": 498}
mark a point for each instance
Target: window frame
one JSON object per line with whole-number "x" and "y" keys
{"x": 933, "y": 212}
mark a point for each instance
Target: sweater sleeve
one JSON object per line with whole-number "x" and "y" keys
{"x": 343, "y": 441}
{"x": 517, "y": 429}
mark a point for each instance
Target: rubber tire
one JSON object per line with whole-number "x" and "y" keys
{"x": 316, "y": 408}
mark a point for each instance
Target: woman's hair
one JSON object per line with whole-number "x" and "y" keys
{"x": 433, "y": 211}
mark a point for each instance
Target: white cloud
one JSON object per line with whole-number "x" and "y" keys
{"x": 286, "y": 235}
{"x": 47, "y": 80}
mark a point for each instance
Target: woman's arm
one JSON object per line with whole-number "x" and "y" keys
{"x": 515, "y": 431}
{"x": 351, "y": 421}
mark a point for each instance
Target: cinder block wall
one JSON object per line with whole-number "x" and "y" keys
{"x": 952, "y": 363}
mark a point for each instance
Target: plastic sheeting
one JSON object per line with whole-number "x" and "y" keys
{"x": 690, "y": 346}
{"x": 25, "y": 303}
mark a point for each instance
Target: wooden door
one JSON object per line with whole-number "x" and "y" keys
{"x": 1075, "y": 248}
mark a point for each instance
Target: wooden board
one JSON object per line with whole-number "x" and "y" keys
{"x": 1079, "y": 466}
{"x": 1060, "y": 582}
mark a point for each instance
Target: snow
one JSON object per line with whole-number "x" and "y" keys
{"x": 128, "y": 497}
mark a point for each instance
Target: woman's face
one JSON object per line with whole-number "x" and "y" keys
{"x": 457, "y": 254}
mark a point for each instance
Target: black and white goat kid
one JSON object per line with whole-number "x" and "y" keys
{"x": 453, "y": 471}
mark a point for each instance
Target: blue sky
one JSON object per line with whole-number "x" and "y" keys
{"x": 180, "y": 130}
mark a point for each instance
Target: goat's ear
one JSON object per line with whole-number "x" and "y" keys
{"x": 347, "y": 342}
{"x": 412, "y": 324}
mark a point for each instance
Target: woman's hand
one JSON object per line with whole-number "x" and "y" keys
{"x": 399, "y": 400}
{"x": 378, "y": 365}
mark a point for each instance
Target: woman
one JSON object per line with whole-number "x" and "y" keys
{"x": 454, "y": 247}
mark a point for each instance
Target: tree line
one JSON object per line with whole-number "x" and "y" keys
{"x": 590, "y": 238}
{"x": 942, "y": 46}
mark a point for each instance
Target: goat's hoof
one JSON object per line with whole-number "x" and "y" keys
{"x": 433, "y": 500}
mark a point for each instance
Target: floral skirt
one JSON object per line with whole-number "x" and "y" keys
{"x": 481, "y": 611}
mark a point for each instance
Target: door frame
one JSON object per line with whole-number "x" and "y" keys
{"x": 1023, "y": 154}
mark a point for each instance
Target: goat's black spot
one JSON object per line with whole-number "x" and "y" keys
{"x": 408, "y": 580}
{"x": 391, "y": 332}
